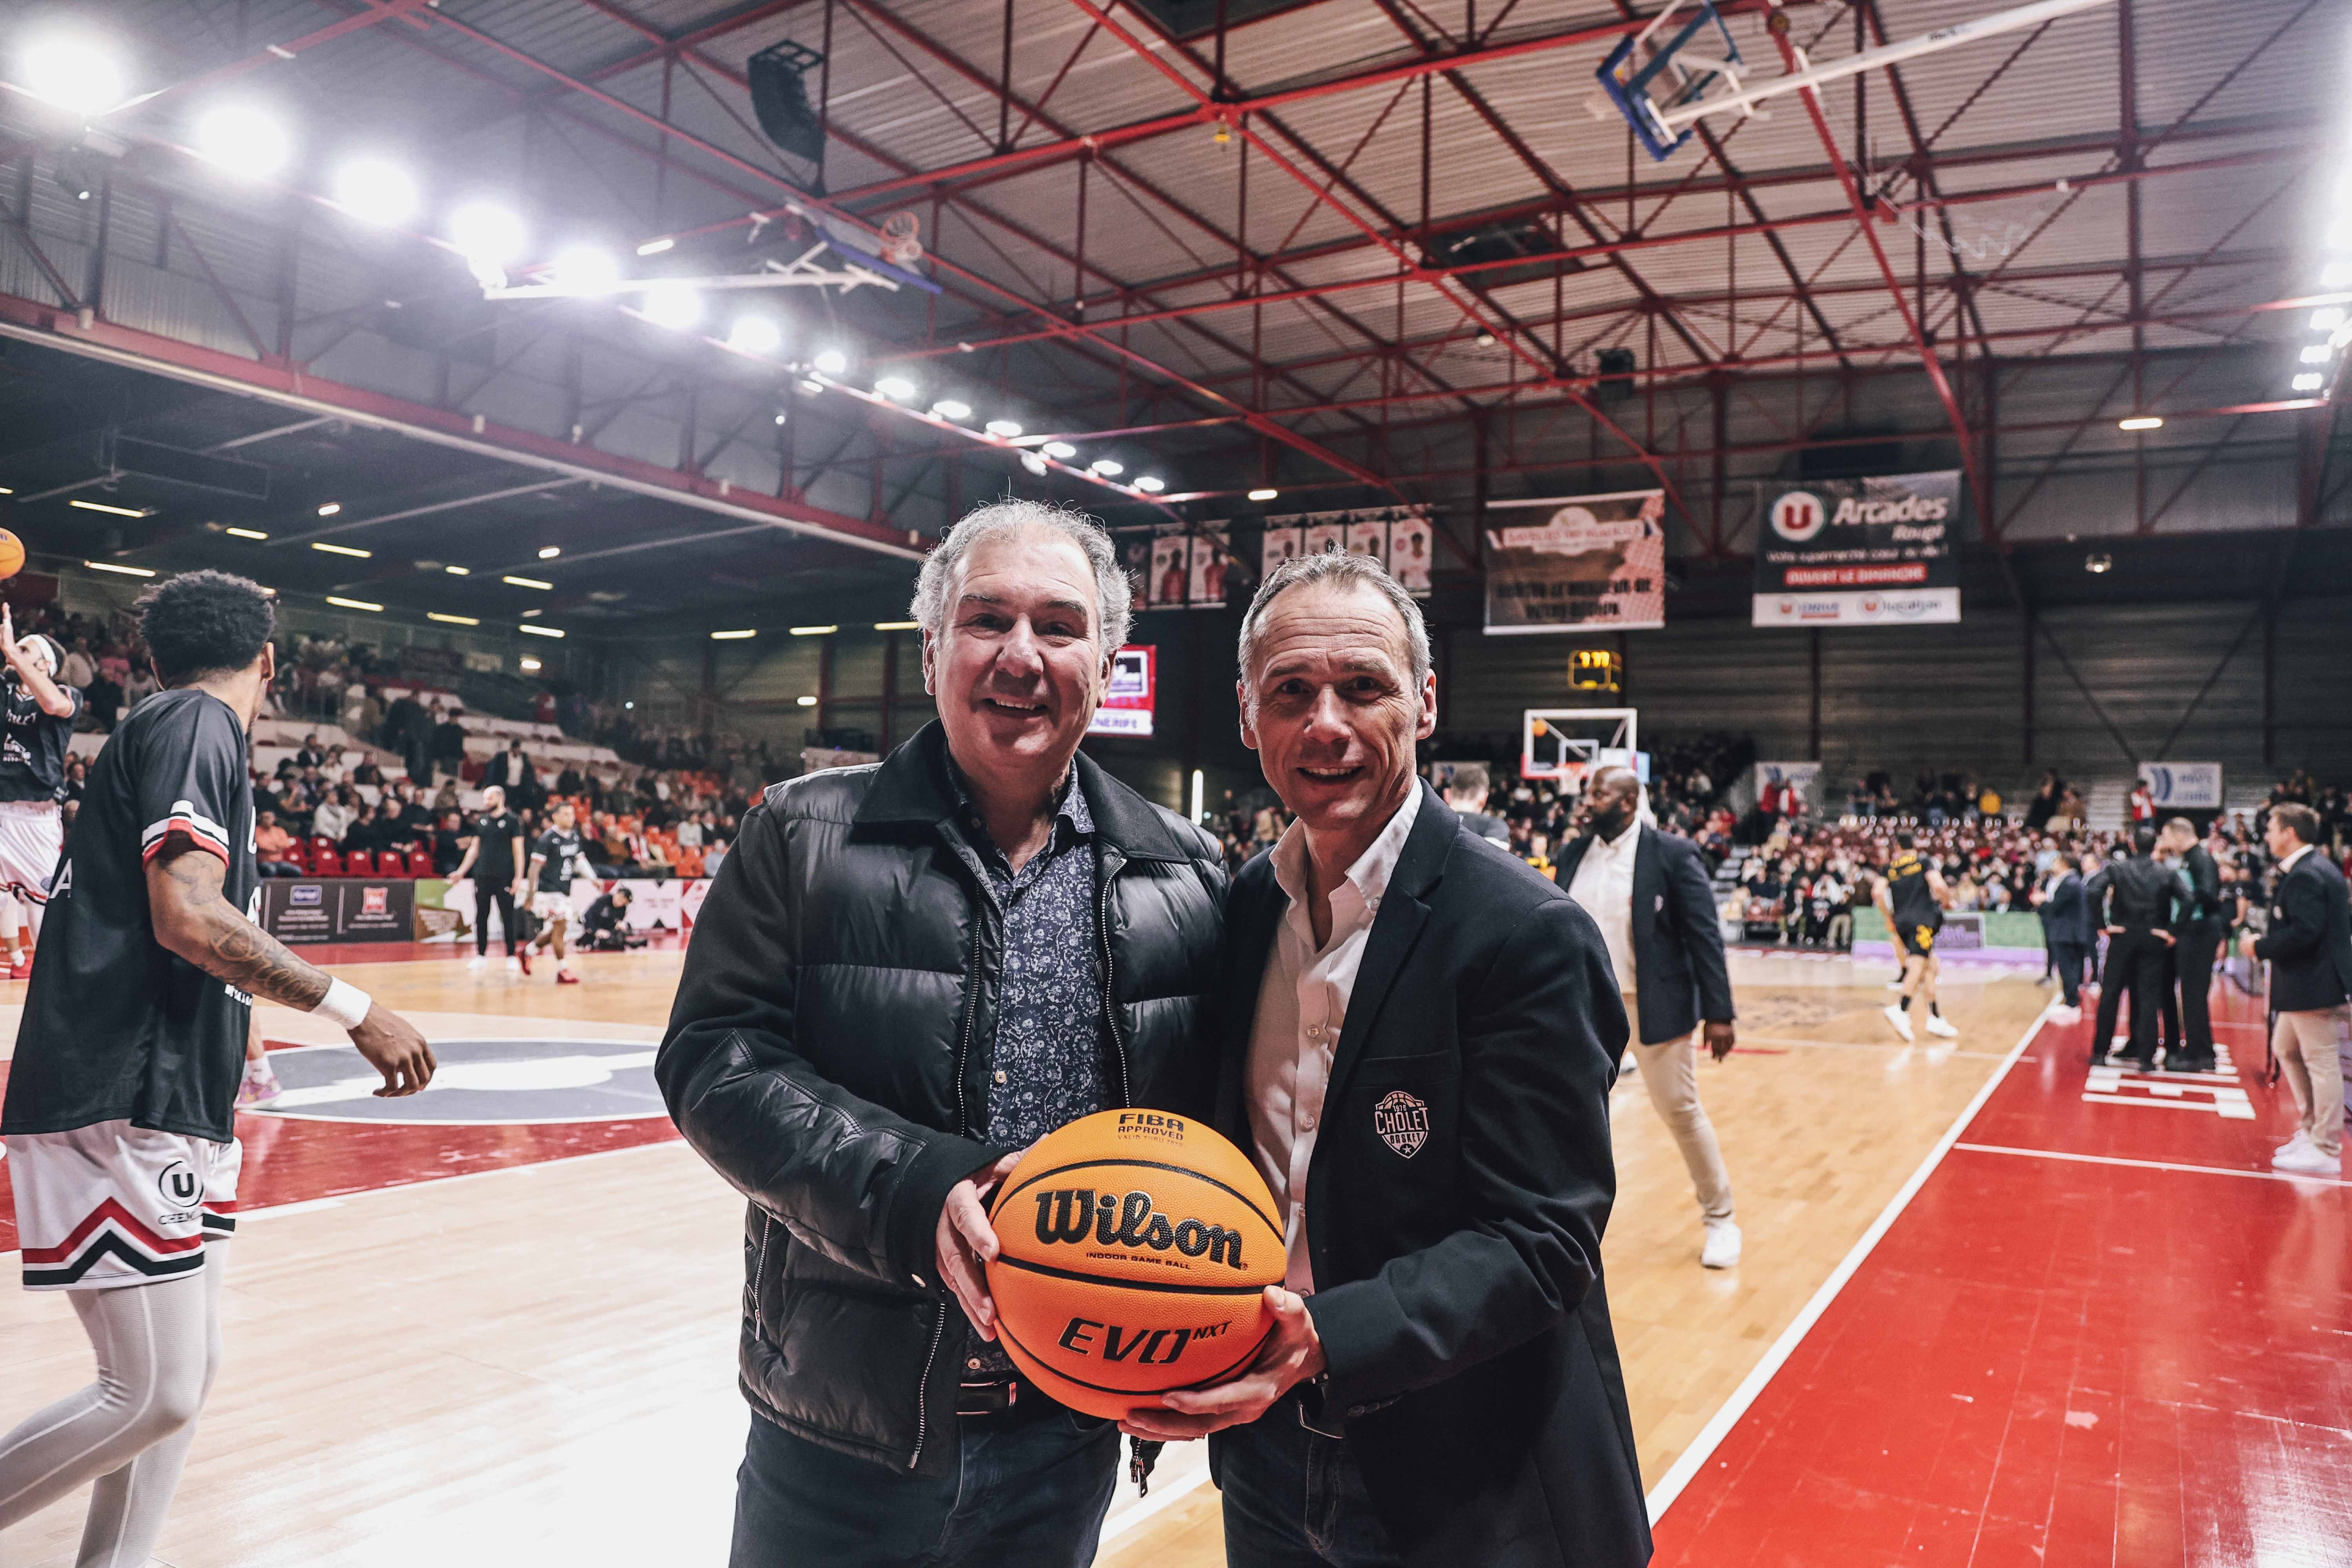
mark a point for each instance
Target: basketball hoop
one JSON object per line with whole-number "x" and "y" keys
{"x": 901, "y": 248}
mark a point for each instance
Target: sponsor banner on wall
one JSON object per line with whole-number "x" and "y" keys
{"x": 1128, "y": 701}
{"x": 1578, "y": 562}
{"x": 1218, "y": 564}
{"x": 338, "y": 910}
{"x": 667, "y": 903}
{"x": 2183, "y": 787}
{"x": 1872, "y": 552}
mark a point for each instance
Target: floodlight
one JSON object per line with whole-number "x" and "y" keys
{"x": 584, "y": 269}
{"x": 755, "y": 335}
{"x": 486, "y": 234}
{"x": 2309, "y": 381}
{"x": 2140, "y": 422}
{"x": 1150, "y": 484}
{"x": 1060, "y": 451}
{"x": 330, "y": 509}
{"x": 672, "y": 305}
{"x": 949, "y": 408}
{"x": 1107, "y": 468}
{"x": 2317, "y": 353}
{"x": 244, "y": 140}
{"x": 1035, "y": 464}
{"x": 72, "y": 73}
{"x": 1263, "y": 494}
{"x": 897, "y": 388}
{"x": 655, "y": 247}
{"x": 1004, "y": 428}
{"x": 832, "y": 362}
{"x": 2327, "y": 320}
{"x": 375, "y": 191}
{"x": 549, "y": 552}
{"x": 2335, "y": 275}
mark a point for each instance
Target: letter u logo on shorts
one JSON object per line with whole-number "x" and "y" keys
{"x": 180, "y": 1185}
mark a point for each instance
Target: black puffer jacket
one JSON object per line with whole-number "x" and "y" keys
{"x": 827, "y": 1055}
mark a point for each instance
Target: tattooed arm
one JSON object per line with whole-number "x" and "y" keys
{"x": 193, "y": 920}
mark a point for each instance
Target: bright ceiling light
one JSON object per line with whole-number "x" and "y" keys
{"x": 806, "y": 701}
{"x": 457, "y": 570}
{"x": 896, "y": 625}
{"x": 2335, "y": 274}
{"x": 243, "y": 140}
{"x": 487, "y": 233}
{"x": 111, "y": 511}
{"x": 543, "y": 631}
{"x": 808, "y": 389}
{"x": 2328, "y": 320}
{"x": 655, "y": 247}
{"x": 331, "y": 508}
{"x": 549, "y": 552}
{"x": 1060, "y": 451}
{"x": 814, "y": 631}
{"x": 351, "y": 550}
{"x": 949, "y": 408}
{"x": 584, "y": 269}
{"x": 529, "y": 583}
{"x": 2317, "y": 353}
{"x": 2098, "y": 564}
{"x": 1262, "y": 494}
{"x": 353, "y": 604}
{"x": 244, "y": 533}
{"x": 72, "y": 73}
{"x": 531, "y": 664}
{"x": 1035, "y": 464}
{"x": 2140, "y": 422}
{"x": 1107, "y": 468}
{"x": 1152, "y": 484}
{"x": 754, "y": 335}
{"x": 732, "y": 636}
{"x": 897, "y": 388}
{"x": 672, "y": 305}
{"x": 1005, "y": 428}
{"x": 2309, "y": 381}
{"x": 452, "y": 620}
{"x": 832, "y": 362}
{"x": 117, "y": 566}
{"x": 375, "y": 191}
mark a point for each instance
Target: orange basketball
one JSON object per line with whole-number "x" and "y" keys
{"x": 1135, "y": 1249}
{"x": 12, "y": 555}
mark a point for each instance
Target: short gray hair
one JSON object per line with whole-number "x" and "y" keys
{"x": 1113, "y": 598}
{"x": 1340, "y": 569}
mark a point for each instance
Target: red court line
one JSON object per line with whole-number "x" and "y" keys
{"x": 2123, "y": 1352}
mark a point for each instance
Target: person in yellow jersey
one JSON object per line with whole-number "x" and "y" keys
{"x": 1912, "y": 897}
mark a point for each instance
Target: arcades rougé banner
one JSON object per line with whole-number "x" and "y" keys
{"x": 1870, "y": 551}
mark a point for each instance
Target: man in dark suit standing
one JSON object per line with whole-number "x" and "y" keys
{"x": 2200, "y": 929}
{"x": 2066, "y": 927}
{"x": 2309, "y": 946}
{"x": 1417, "y": 1049}
{"x": 1648, "y": 892}
{"x": 2132, "y": 901}
{"x": 1466, "y": 791}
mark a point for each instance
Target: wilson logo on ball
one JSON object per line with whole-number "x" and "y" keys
{"x": 1079, "y": 1214}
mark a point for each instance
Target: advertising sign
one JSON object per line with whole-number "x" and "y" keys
{"x": 1592, "y": 561}
{"x": 1217, "y": 565}
{"x": 2183, "y": 787}
{"x": 1874, "y": 552}
{"x": 1127, "y": 706}
{"x": 338, "y": 910}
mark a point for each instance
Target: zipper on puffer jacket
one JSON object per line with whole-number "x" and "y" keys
{"x": 963, "y": 1055}
{"x": 1110, "y": 987}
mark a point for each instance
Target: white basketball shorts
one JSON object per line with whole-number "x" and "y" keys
{"x": 554, "y": 908}
{"x": 111, "y": 1205}
{"x": 32, "y": 837}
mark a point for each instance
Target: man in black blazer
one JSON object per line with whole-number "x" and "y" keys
{"x": 2309, "y": 946}
{"x": 2066, "y": 927}
{"x": 1649, "y": 893}
{"x": 1417, "y": 1050}
{"x": 2198, "y": 932}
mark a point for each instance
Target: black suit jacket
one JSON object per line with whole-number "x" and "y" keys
{"x": 1677, "y": 941}
{"x": 2066, "y": 914}
{"x": 1461, "y": 1180}
{"x": 2201, "y": 912}
{"x": 2309, "y": 943}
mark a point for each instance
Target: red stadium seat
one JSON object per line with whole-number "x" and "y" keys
{"x": 326, "y": 863}
{"x": 420, "y": 864}
{"x": 359, "y": 863}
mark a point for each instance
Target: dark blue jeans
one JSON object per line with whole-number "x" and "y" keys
{"x": 1294, "y": 1499}
{"x": 1034, "y": 1494}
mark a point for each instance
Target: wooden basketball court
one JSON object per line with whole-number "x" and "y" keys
{"x": 499, "y": 1326}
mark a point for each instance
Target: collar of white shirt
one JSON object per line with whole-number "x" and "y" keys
{"x": 1358, "y": 896}
{"x": 1625, "y": 841}
{"x": 2290, "y": 862}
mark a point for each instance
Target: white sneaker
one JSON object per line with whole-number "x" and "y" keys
{"x": 476, "y": 965}
{"x": 2301, "y": 1140}
{"x": 2307, "y": 1160}
{"x": 1941, "y": 1027}
{"x": 514, "y": 964}
{"x": 1895, "y": 1015}
{"x": 2062, "y": 1013}
{"x": 1722, "y": 1249}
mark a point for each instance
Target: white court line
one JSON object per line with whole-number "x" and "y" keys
{"x": 337, "y": 1200}
{"x": 2152, "y": 1164}
{"x": 1711, "y": 1436}
{"x": 2221, "y": 1108}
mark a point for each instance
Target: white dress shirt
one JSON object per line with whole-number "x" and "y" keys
{"x": 1302, "y": 1006}
{"x": 1603, "y": 885}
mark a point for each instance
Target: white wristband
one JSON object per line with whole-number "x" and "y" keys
{"x": 345, "y": 1005}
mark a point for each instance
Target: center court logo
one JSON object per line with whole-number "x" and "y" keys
{"x": 1799, "y": 516}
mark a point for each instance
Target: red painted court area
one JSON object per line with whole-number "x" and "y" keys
{"x": 2102, "y": 1331}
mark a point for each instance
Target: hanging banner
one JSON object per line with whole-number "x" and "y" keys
{"x": 1128, "y": 701}
{"x": 1410, "y": 552}
{"x": 1592, "y": 561}
{"x": 1874, "y": 552}
{"x": 1218, "y": 564}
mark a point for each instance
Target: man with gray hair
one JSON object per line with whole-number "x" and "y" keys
{"x": 904, "y": 974}
{"x": 1418, "y": 1040}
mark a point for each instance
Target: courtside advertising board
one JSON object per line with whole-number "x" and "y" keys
{"x": 1859, "y": 553}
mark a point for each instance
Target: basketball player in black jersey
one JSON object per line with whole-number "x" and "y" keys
{"x": 556, "y": 861}
{"x": 1912, "y": 896}
{"x": 120, "y": 1110}
{"x": 36, "y": 720}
